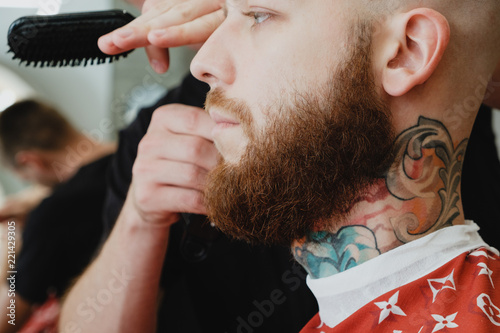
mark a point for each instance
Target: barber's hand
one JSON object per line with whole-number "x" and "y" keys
{"x": 164, "y": 24}
{"x": 172, "y": 162}
{"x": 18, "y": 206}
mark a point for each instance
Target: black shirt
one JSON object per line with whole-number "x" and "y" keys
{"x": 61, "y": 235}
{"x": 481, "y": 179}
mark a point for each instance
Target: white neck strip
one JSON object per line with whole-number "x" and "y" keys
{"x": 340, "y": 295}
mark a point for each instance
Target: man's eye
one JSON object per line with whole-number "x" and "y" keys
{"x": 260, "y": 17}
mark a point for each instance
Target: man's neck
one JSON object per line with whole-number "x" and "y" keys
{"x": 419, "y": 194}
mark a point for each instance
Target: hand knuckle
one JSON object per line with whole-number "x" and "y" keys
{"x": 194, "y": 149}
{"x": 184, "y": 10}
{"x": 193, "y": 174}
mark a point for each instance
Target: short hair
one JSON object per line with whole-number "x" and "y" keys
{"x": 32, "y": 124}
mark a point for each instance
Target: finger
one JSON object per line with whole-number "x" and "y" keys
{"x": 187, "y": 201}
{"x": 188, "y": 149}
{"x": 106, "y": 45}
{"x": 171, "y": 173}
{"x": 128, "y": 37}
{"x": 184, "y": 175}
{"x": 163, "y": 14}
{"x": 181, "y": 13}
{"x": 158, "y": 58}
{"x": 193, "y": 32}
{"x": 171, "y": 199}
{"x": 183, "y": 119}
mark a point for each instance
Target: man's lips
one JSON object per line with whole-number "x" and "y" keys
{"x": 222, "y": 120}
{"x": 222, "y": 123}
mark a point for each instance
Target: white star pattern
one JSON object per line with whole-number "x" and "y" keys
{"x": 444, "y": 322}
{"x": 481, "y": 253}
{"x": 389, "y": 307}
{"x": 490, "y": 310}
{"x": 443, "y": 281}
{"x": 486, "y": 271}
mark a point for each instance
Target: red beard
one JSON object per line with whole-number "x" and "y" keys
{"x": 319, "y": 155}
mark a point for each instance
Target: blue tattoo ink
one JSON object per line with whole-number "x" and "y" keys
{"x": 324, "y": 254}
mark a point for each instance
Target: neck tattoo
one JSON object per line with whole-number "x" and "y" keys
{"x": 421, "y": 196}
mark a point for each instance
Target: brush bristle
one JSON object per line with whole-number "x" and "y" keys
{"x": 65, "y": 39}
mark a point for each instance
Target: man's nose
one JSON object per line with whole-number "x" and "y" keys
{"x": 213, "y": 63}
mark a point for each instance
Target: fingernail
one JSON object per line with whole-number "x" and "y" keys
{"x": 158, "y": 66}
{"x": 124, "y": 32}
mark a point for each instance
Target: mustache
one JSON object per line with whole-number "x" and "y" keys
{"x": 234, "y": 107}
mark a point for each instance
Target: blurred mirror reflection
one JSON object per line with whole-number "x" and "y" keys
{"x": 88, "y": 96}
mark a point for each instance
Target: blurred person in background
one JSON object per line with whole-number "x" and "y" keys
{"x": 63, "y": 224}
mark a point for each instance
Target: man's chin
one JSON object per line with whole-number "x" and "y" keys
{"x": 229, "y": 156}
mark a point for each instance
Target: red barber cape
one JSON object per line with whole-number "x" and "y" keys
{"x": 463, "y": 296}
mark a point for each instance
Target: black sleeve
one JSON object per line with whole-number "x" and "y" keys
{"x": 190, "y": 92}
{"x": 481, "y": 179}
{"x": 59, "y": 240}
{"x": 62, "y": 234}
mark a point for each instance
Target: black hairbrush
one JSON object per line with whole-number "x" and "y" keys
{"x": 64, "y": 39}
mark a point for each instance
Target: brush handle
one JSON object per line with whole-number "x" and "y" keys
{"x": 64, "y": 39}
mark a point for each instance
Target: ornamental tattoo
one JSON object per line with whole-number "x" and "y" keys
{"x": 406, "y": 185}
{"x": 423, "y": 181}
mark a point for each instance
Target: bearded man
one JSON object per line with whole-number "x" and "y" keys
{"x": 340, "y": 147}
{"x": 333, "y": 138}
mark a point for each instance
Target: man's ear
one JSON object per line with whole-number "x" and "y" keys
{"x": 28, "y": 158}
{"x": 417, "y": 42}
